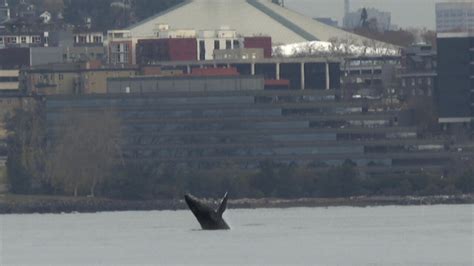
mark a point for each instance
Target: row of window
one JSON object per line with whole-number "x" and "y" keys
{"x": 46, "y": 77}
{"x": 455, "y": 13}
{"x": 8, "y": 79}
{"x": 83, "y": 39}
{"x": 20, "y": 39}
{"x": 414, "y": 81}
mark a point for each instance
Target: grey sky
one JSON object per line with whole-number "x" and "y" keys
{"x": 405, "y": 13}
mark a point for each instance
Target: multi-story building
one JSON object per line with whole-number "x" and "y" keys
{"x": 211, "y": 40}
{"x": 455, "y": 82}
{"x": 418, "y": 71}
{"x": 88, "y": 38}
{"x": 8, "y": 39}
{"x": 455, "y": 16}
{"x": 369, "y": 76}
{"x": 88, "y": 78}
{"x": 200, "y": 128}
{"x": 178, "y": 45}
{"x": 121, "y": 47}
{"x": 4, "y": 11}
{"x": 302, "y": 73}
{"x": 353, "y": 20}
{"x": 173, "y": 49}
{"x": 9, "y": 80}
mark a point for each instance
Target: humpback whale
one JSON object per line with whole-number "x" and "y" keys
{"x": 209, "y": 218}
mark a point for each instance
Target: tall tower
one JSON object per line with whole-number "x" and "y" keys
{"x": 347, "y": 7}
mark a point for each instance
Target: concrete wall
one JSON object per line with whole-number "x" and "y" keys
{"x": 160, "y": 84}
{"x": 96, "y": 81}
{"x": 46, "y": 55}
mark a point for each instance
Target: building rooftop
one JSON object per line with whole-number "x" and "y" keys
{"x": 247, "y": 17}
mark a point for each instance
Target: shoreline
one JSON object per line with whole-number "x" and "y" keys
{"x": 16, "y": 204}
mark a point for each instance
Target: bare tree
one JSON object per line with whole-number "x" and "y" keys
{"x": 86, "y": 150}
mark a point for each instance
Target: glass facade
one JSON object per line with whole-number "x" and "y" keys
{"x": 455, "y": 73}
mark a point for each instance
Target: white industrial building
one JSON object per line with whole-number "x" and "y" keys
{"x": 247, "y": 17}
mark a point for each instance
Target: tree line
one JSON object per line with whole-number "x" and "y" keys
{"x": 108, "y": 14}
{"x": 81, "y": 156}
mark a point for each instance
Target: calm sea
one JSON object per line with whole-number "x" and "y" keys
{"x": 414, "y": 235}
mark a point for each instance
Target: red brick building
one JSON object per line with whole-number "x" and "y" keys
{"x": 159, "y": 50}
{"x": 263, "y": 42}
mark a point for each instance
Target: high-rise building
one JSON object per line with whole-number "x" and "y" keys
{"x": 383, "y": 19}
{"x": 455, "y": 16}
{"x": 4, "y": 11}
{"x": 455, "y": 86}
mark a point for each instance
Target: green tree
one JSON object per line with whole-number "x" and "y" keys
{"x": 339, "y": 181}
{"x": 465, "y": 182}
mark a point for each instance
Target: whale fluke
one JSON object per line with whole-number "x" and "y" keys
{"x": 208, "y": 218}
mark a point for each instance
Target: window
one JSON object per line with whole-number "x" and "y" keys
{"x": 97, "y": 39}
{"x": 61, "y": 76}
{"x": 420, "y": 81}
{"x": 217, "y": 45}
{"x": 1, "y": 40}
{"x": 23, "y": 39}
{"x": 236, "y": 44}
{"x": 202, "y": 50}
{"x": 428, "y": 81}
{"x": 404, "y": 83}
{"x": 10, "y": 40}
{"x": 228, "y": 45}
{"x": 36, "y": 39}
{"x": 82, "y": 39}
{"x": 413, "y": 82}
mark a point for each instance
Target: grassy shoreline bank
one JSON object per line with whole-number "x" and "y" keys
{"x": 17, "y": 204}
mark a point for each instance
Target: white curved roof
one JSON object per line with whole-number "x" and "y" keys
{"x": 248, "y": 18}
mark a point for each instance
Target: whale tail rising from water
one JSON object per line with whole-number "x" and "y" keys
{"x": 208, "y": 218}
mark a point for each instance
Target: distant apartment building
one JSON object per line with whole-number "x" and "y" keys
{"x": 178, "y": 45}
{"x": 369, "y": 76}
{"x": 85, "y": 78}
{"x": 121, "y": 46}
{"x": 88, "y": 38}
{"x": 4, "y": 11}
{"x": 172, "y": 49}
{"x": 418, "y": 71}
{"x": 212, "y": 40}
{"x": 353, "y": 20}
{"x": 302, "y": 73}
{"x": 8, "y": 39}
{"x": 455, "y": 85}
{"x": 455, "y": 16}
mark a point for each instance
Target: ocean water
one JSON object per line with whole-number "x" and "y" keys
{"x": 408, "y": 235}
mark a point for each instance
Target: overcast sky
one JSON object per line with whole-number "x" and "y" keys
{"x": 405, "y": 13}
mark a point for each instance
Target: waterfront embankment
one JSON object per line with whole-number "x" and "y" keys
{"x": 17, "y": 204}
